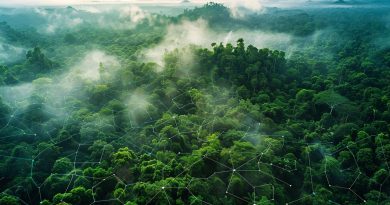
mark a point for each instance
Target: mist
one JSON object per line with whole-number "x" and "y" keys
{"x": 10, "y": 53}
{"x": 200, "y": 34}
{"x": 183, "y": 102}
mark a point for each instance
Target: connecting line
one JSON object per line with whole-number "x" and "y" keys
{"x": 264, "y": 185}
{"x": 346, "y": 147}
{"x": 153, "y": 197}
{"x": 166, "y": 196}
{"x": 197, "y": 197}
{"x": 354, "y": 158}
{"x": 235, "y": 196}
{"x": 344, "y": 188}
{"x": 236, "y": 169}
{"x": 292, "y": 202}
{"x": 311, "y": 176}
{"x": 380, "y": 189}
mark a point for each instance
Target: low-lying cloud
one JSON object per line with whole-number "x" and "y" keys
{"x": 94, "y": 67}
{"x": 199, "y": 33}
{"x": 58, "y": 19}
{"x": 10, "y": 53}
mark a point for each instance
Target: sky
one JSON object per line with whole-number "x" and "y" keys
{"x": 77, "y": 2}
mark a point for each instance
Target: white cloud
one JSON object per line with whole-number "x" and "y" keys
{"x": 58, "y": 20}
{"x": 199, "y": 33}
{"x": 10, "y": 53}
{"x": 88, "y": 68}
{"x": 134, "y": 13}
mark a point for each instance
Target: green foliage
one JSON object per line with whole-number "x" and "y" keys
{"x": 8, "y": 200}
{"x": 228, "y": 124}
{"x": 124, "y": 157}
{"x": 62, "y": 166}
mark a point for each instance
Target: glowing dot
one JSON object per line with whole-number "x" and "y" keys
{"x": 290, "y": 185}
{"x": 234, "y": 170}
{"x": 163, "y": 187}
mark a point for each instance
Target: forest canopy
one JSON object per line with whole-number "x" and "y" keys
{"x": 195, "y": 104}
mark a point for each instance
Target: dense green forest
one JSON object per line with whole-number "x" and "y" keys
{"x": 128, "y": 106}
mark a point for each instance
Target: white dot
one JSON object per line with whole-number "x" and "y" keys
{"x": 234, "y": 170}
{"x": 162, "y": 187}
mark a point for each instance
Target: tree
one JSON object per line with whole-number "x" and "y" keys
{"x": 365, "y": 158}
{"x": 8, "y": 200}
{"x": 330, "y": 98}
{"x": 264, "y": 201}
{"x": 77, "y": 196}
{"x": 123, "y": 157}
{"x": 304, "y": 95}
{"x": 37, "y": 61}
{"x": 101, "y": 150}
{"x": 4, "y": 113}
{"x": 62, "y": 166}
